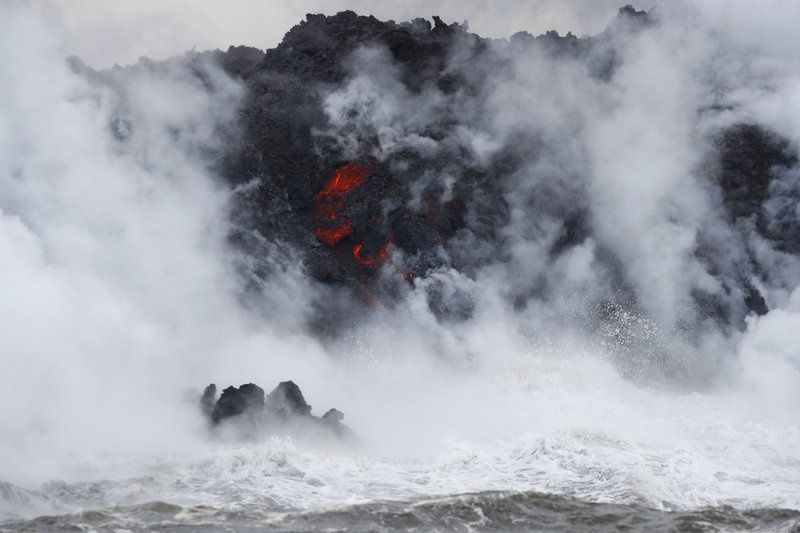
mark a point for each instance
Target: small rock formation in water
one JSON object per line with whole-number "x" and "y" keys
{"x": 283, "y": 410}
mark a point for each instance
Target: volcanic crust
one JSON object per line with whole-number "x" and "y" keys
{"x": 285, "y": 408}
{"x": 368, "y": 216}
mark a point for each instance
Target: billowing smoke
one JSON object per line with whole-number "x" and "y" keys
{"x": 442, "y": 235}
{"x": 117, "y": 287}
{"x": 613, "y": 185}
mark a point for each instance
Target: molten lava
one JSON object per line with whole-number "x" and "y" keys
{"x": 332, "y": 226}
{"x": 370, "y": 261}
{"x": 344, "y": 180}
{"x": 333, "y": 236}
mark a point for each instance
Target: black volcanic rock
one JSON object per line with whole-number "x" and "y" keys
{"x": 208, "y": 400}
{"x": 240, "y": 60}
{"x": 283, "y": 409}
{"x": 752, "y": 160}
{"x": 247, "y": 399}
{"x": 333, "y": 415}
{"x": 630, "y": 15}
{"x": 284, "y": 114}
{"x": 290, "y": 149}
{"x": 432, "y": 201}
{"x": 333, "y": 418}
{"x": 283, "y": 145}
{"x": 287, "y": 400}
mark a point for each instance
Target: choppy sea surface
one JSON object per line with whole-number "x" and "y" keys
{"x": 567, "y": 447}
{"x": 486, "y": 511}
{"x": 581, "y": 483}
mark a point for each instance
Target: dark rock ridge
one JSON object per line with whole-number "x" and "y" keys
{"x": 283, "y": 409}
{"x": 372, "y": 208}
{"x": 752, "y": 161}
{"x": 290, "y": 148}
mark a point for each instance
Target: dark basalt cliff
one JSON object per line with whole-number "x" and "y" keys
{"x": 346, "y": 234}
{"x": 369, "y": 214}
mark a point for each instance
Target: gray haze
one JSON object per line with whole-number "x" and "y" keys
{"x": 119, "y": 292}
{"x": 103, "y": 33}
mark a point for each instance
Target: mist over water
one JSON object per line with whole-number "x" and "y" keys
{"x": 121, "y": 292}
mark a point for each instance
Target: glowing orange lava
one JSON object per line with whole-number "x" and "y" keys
{"x": 344, "y": 180}
{"x": 332, "y": 237}
{"x": 332, "y": 226}
{"x": 374, "y": 260}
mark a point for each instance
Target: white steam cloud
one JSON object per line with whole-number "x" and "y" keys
{"x": 104, "y": 33}
{"x": 119, "y": 291}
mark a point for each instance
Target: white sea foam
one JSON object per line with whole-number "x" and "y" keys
{"x": 117, "y": 295}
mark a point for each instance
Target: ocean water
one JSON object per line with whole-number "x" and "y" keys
{"x": 488, "y": 511}
{"x": 581, "y": 454}
{"x": 118, "y": 293}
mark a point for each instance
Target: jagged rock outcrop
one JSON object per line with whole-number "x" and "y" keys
{"x": 346, "y": 234}
{"x": 752, "y": 164}
{"x": 282, "y": 410}
{"x": 287, "y": 401}
{"x": 361, "y": 142}
{"x": 247, "y": 400}
{"x": 289, "y": 149}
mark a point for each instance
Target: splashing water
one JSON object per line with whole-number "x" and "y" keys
{"x": 120, "y": 293}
